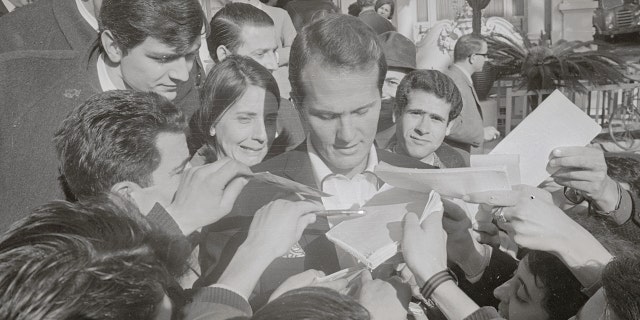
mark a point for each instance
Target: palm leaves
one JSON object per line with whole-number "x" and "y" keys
{"x": 568, "y": 64}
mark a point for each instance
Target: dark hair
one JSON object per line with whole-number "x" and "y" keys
{"x": 176, "y": 23}
{"x": 563, "y": 296}
{"x": 430, "y": 81}
{"x": 366, "y": 3}
{"x": 226, "y": 26}
{"x": 226, "y": 83}
{"x": 354, "y": 9}
{"x": 624, "y": 169}
{"x": 466, "y": 46}
{"x": 621, "y": 283}
{"x": 98, "y": 259}
{"x": 312, "y": 303}
{"x": 391, "y": 4}
{"x": 337, "y": 41}
{"x": 111, "y": 138}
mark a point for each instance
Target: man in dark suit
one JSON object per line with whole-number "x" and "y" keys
{"x": 50, "y": 25}
{"x": 38, "y": 88}
{"x": 337, "y": 68}
{"x": 467, "y": 131}
{"x": 370, "y": 17}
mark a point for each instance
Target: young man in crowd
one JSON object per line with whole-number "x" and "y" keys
{"x": 467, "y": 131}
{"x": 400, "y": 53}
{"x": 338, "y": 155}
{"x": 427, "y": 102}
{"x": 150, "y": 48}
{"x": 245, "y": 30}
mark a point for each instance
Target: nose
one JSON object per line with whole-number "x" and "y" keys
{"x": 502, "y": 292}
{"x": 424, "y": 126}
{"x": 180, "y": 69}
{"x": 271, "y": 61}
{"x": 259, "y": 132}
{"x": 345, "y": 132}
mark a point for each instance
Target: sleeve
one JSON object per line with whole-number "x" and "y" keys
{"x": 630, "y": 230}
{"x": 161, "y": 218}
{"x": 216, "y": 303}
{"x": 485, "y": 313}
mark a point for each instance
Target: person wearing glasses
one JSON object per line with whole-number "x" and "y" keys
{"x": 467, "y": 131}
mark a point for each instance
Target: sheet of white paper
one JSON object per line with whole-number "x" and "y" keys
{"x": 556, "y": 122}
{"x": 510, "y": 161}
{"x": 374, "y": 238}
{"x": 454, "y": 182}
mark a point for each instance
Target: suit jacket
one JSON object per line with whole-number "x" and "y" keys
{"x": 302, "y": 11}
{"x": 3, "y": 9}
{"x": 221, "y": 240}
{"x": 376, "y": 22}
{"x": 467, "y": 129}
{"x": 46, "y": 25}
{"x": 37, "y": 91}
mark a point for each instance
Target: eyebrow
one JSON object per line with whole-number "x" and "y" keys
{"x": 247, "y": 113}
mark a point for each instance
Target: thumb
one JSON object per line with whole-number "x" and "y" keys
{"x": 365, "y": 277}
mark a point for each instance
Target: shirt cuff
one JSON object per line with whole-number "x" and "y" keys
{"x": 223, "y": 295}
{"x": 163, "y": 219}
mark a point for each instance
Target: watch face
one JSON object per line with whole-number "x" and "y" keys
{"x": 573, "y": 195}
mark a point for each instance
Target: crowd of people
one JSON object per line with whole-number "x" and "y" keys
{"x": 127, "y": 164}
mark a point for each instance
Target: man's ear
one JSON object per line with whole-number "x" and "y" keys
{"x": 448, "y": 130}
{"x": 125, "y": 188}
{"x": 222, "y": 52}
{"x": 111, "y": 47}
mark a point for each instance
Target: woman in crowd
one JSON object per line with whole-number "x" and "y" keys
{"x": 237, "y": 116}
{"x": 385, "y": 8}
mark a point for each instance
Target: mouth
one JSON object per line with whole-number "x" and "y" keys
{"x": 252, "y": 150}
{"x": 419, "y": 140}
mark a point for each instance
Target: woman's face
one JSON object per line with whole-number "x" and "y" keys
{"x": 247, "y": 128}
{"x": 385, "y": 11}
{"x": 521, "y": 296}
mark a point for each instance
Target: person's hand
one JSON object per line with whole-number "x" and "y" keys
{"x": 584, "y": 169}
{"x": 491, "y": 133}
{"x": 532, "y": 220}
{"x": 309, "y": 278}
{"x": 278, "y": 225}
{"x": 207, "y": 193}
{"x": 384, "y": 300}
{"x": 424, "y": 245}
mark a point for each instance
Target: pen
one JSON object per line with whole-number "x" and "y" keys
{"x": 327, "y": 213}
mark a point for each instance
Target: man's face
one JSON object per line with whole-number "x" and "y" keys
{"x": 341, "y": 109}
{"x": 520, "y": 297}
{"x": 481, "y": 57}
{"x": 174, "y": 158}
{"x": 423, "y": 124}
{"x": 154, "y": 66}
{"x": 259, "y": 43}
{"x": 391, "y": 82}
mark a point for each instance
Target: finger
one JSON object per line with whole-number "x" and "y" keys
{"x": 222, "y": 175}
{"x": 232, "y": 191}
{"x": 488, "y": 228}
{"x": 453, "y": 211}
{"x": 484, "y": 213}
{"x": 337, "y": 285}
{"x": 433, "y": 222}
{"x": 495, "y": 198}
{"x": 580, "y": 175}
{"x": 580, "y": 162}
{"x": 303, "y": 223}
{"x": 365, "y": 277}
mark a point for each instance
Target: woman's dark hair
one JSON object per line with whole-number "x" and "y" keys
{"x": 563, "y": 295}
{"x": 621, "y": 283}
{"x": 391, "y": 4}
{"x": 226, "y": 83}
{"x": 312, "y": 303}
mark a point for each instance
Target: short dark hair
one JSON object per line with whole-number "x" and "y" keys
{"x": 381, "y": 3}
{"x": 226, "y": 83}
{"x": 466, "y": 46}
{"x": 563, "y": 296}
{"x": 621, "y": 283}
{"x": 313, "y": 303}
{"x": 111, "y": 138}
{"x": 430, "y": 81}
{"x": 366, "y": 3}
{"x": 176, "y": 23}
{"x": 226, "y": 26}
{"x": 87, "y": 260}
{"x": 337, "y": 41}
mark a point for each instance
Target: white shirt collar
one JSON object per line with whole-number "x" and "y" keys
{"x": 465, "y": 73}
{"x": 91, "y": 20}
{"x": 10, "y": 6}
{"x": 105, "y": 82}
{"x": 320, "y": 169}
